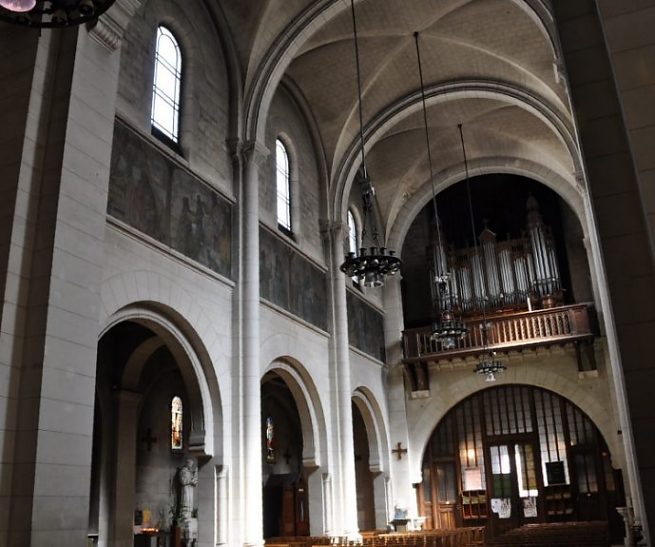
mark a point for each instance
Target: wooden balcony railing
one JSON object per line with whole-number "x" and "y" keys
{"x": 507, "y": 332}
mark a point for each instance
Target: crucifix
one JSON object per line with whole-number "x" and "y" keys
{"x": 149, "y": 439}
{"x": 287, "y": 455}
{"x": 399, "y": 451}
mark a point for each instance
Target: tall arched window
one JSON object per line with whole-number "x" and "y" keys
{"x": 353, "y": 239}
{"x": 352, "y": 232}
{"x": 283, "y": 184}
{"x": 176, "y": 423}
{"x": 166, "y": 84}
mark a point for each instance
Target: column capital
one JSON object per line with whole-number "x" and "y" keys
{"x": 254, "y": 151}
{"x": 109, "y": 28}
{"x": 332, "y": 228}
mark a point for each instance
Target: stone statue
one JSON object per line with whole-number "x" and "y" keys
{"x": 187, "y": 480}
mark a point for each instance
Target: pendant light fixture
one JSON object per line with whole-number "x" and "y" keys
{"x": 52, "y": 13}
{"x": 373, "y": 264}
{"x": 488, "y": 366}
{"x": 449, "y": 328}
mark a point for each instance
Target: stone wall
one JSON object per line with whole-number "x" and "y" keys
{"x": 204, "y": 104}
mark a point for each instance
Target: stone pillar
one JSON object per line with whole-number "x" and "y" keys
{"x": 127, "y": 420}
{"x": 380, "y": 492}
{"x": 402, "y": 491}
{"x": 222, "y": 508}
{"x": 346, "y": 495}
{"x": 54, "y": 204}
{"x": 315, "y": 500}
{"x": 251, "y": 464}
{"x": 326, "y": 492}
{"x": 615, "y": 136}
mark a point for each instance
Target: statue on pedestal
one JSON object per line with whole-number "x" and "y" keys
{"x": 187, "y": 480}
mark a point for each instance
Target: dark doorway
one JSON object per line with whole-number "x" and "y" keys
{"x": 285, "y": 495}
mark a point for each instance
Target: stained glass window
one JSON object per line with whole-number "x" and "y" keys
{"x": 166, "y": 85}
{"x": 176, "y": 423}
{"x": 270, "y": 440}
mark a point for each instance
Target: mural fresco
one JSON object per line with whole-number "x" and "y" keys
{"x": 365, "y": 327}
{"x": 291, "y": 281}
{"x": 161, "y": 199}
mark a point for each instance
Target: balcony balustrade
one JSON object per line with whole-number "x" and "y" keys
{"x": 506, "y": 332}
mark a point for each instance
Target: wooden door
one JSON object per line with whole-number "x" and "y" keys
{"x": 445, "y": 496}
{"x": 302, "y": 509}
{"x": 288, "y": 514}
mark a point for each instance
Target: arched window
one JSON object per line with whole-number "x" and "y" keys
{"x": 176, "y": 423}
{"x": 352, "y": 233}
{"x": 283, "y": 184}
{"x": 353, "y": 239}
{"x": 166, "y": 84}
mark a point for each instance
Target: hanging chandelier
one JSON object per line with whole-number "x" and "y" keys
{"x": 52, "y": 13}
{"x": 488, "y": 366}
{"x": 449, "y": 328}
{"x": 371, "y": 265}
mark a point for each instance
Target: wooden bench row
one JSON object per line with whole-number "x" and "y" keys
{"x": 459, "y": 537}
{"x": 589, "y": 534}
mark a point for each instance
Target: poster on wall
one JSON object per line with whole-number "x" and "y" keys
{"x": 530, "y": 507}
{"x": 502, "y": 507}
{"x": 473, "y": 479}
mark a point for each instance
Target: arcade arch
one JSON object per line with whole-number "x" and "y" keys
{"x": 145, "y": 362}
{"x": 517, "y": 454}
{"x": 294, "y": 448}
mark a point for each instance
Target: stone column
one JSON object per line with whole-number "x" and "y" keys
{"x": 221, "y": 506}
{"x": 251, "y": 464}
{"x": 604, "y": 75}
{"x": 127, "y": 420}
{"x": 346, "y": 496}
{"x": 326, "y": 494}
{"x": 54, "y": 197}
{"x": 402, "y": 491}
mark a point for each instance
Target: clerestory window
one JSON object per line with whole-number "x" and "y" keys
{"x": 283, "y": 185}
{"x": 165, "y": 114}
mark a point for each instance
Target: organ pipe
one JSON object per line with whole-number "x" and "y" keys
{"x": 506, "y": 273}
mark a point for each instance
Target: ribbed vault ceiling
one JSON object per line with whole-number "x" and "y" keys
{"x": 469, "y": 41}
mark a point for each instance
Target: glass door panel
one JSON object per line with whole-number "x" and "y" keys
{"x": 526, "y": 475}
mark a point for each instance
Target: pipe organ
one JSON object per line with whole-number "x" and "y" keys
{"x": 514, "y": 274}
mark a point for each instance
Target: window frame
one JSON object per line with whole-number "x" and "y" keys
{"x": 353, "y": 214}
{"x": 172, "y": 138}
{"x": 350, "y": 216}
{"x": 171, "y": 416}
{"x": 284, "y": 174}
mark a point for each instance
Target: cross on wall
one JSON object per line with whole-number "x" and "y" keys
{"x": 399, "y": 451}
{"x": 149, "y": 439}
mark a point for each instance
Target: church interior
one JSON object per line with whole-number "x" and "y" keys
{"x": 327, "y": 272}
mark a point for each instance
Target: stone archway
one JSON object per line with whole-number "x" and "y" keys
{"x": 284, "y": 478}
{"x": 516, "y": 454}
{"x": 288, "y": 392}
{"x": 144, "y": 362}
{"x": 371, "y": 462}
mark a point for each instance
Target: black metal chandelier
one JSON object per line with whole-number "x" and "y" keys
{"x": 52, "y": 13}
{"x": 449, "y": 328}
{"x": 488, "y": 365}
{"x": 371, "y": 265}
